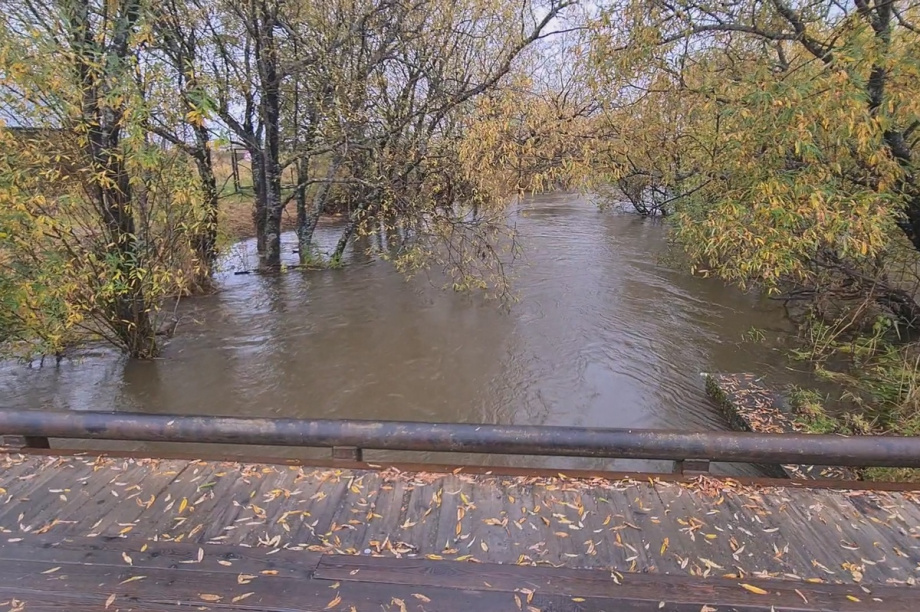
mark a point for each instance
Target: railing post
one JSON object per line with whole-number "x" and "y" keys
{"x": 347, "y": 453}
{"x": 24, "y": 442}
{"x": 691, "y": 466}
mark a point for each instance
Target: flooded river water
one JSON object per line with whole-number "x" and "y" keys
{"x": 603, "y": 335}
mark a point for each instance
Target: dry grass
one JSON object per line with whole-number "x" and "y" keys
{"x": 235, "y": 218}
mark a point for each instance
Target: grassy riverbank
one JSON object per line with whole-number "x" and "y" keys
{"x": 235, "y": 218}
{"x": 879, "y": 389}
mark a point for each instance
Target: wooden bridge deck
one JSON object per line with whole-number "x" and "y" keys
{"x": 144, "y": 534}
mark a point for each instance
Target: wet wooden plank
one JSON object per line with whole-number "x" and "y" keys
{"x": 167, "y": 585}
{"x": 692, "y": 528}
{"x": 786, "y": 595}
{"x": 83, "y": 574}
{"x": 139, "y": 555}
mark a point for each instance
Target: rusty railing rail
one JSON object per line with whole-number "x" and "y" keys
{"x": 691, "y": 450}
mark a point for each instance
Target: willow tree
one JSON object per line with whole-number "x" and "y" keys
{"x": 93, "y": 211}
{"x": 406, "y": 169}
{"x": 796, "y": 131}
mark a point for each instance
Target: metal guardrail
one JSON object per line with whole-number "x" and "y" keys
{"x": 347, "y": 438}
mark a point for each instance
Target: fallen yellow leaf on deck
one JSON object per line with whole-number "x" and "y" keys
{"x": 334, "y": 602}
{"x": 421, "y": 597}
{"x": 753, "y": 589}
{"x": 400, "y": 603}
{"x": 110, "y": 601}
{"x": 209, "y": 597}
{"x": 241, "y": 597}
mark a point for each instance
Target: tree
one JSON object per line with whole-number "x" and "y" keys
{"x": 797, "y": 135}
{"x": 177, "y": 29}
{"x": 95, "y": 212}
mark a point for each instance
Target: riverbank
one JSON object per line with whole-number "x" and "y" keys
{"x": 235, "y": 218}
{"x": 750, "y": 404}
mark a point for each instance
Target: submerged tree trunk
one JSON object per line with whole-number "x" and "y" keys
{"x": 205, "y": 239}
{"x": 347, "y": 233}
{"x": 306, "y": 224}
{"x": 303, "y": 175}
{"x": 274, "y": 206}
{"x": 266, "y": 54}
{"x": 129, "y": 314}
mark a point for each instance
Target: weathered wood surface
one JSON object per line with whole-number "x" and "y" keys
{"x": 290, "y": 515}
{"x": 39, "y": 573}
{"x": 750, "y": 406}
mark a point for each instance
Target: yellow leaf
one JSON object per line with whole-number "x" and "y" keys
{"x": 127, "y": 559}
{"x": 334, "y": 602}
{"x": 664, "y": 546}
{"x": 183, "y": 505}
{"x": 484, "y": 546}
{"x": 110, "y": 601}
{"x": 132, "y": 579}
{"x": 245, "y": 578}
{"x": 241, "y": 597}
{"x": 851, "y": 598}
{"x": 421, "y": 597}
{"x": 578, "y": 599}
{"x": 209, "y": 597}
{"x": 51, "y": 571}
{"x": 753, "y": 589}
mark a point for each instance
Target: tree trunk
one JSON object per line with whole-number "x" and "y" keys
{"x": 274, "y": 207}
{"x": 271, "y": 258}
{"x": 270, "y": 111}
{"x": 347, "y": 233}
{"x": 205, "y": 239}
{"x": 303, "y": 174}
{"x": 126, "y": 309}
{"x": 308, "y": 226}
{"x": 260, "y": 203}
{"x": 129, "y": 314}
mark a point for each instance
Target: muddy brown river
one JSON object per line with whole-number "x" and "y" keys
{"x": 603, "y": 335}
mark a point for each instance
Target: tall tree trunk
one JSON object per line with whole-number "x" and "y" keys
{"x": 205, "y": 239}
{"x": 274, "y": 206}
{"x": 260, "y": 203}
{"x": 303, "y": 175}
{"x": 127, "y": 310}
{"x": 270, "y": 111}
